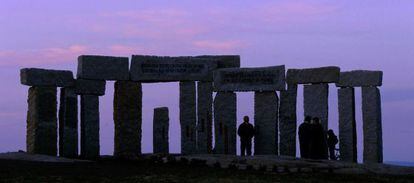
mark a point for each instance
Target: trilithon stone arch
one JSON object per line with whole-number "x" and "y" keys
{"x": 89, "y": 91}
{"x": 371, "y": 114}
{"x": 264, "y": 81}
{"x": 316, "y": 90}
{"x": 92, "y": 73}
{"x": 195, "y": 75}
{"x": 41, "y": 135}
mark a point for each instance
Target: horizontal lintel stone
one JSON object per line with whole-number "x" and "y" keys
{"x": 146, "y": 68}
{"x": 360, "y": 78}
{"x": 224, "y": 61}
{"x": 90, "y": 87}
{"x": 250, "y": 79}
{"x": 313, "y": 75}
{"x": 46, "y": 77}
{"x": 103, "y": 67}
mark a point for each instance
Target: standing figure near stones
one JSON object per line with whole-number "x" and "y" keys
{"x": 304, "y": 137}
{"x": 332, "y": 140}
{"x": 318, "y": 147}
{"x": 246, "y": 133}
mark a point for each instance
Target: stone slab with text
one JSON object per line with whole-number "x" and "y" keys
{"x": 250, "y": 79}
{"x": 166, "y": 69}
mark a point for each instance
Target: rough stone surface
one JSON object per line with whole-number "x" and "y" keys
{"x": 158, "y": 69}
{"x": 360, "y": 78}
{"x": 316, "y": 102}
{"x": 313, "y": 75}
{"x": 89, "y": 126}
{"x": 250, "y": 79}
{"x": 372, "y": 125}
{"x": 286, "y": 165}
{"x": 266, "y": 109}
{"x": 68, "y": 123}
{"x": 188, "y": 117}
{"x": 44, "y": 77}
{"x": 42, "y": 121}
{"x": 224, "y": 61}
{"x": 160, "y": 130}
{"x": 225, "y": 123}
{"x": 127, "y": 119}
{"x": 90, "y": 87}
{"x": 37, "y": 158}
{"x": 347, "y": 124}
{"x": 204, "y": 117}
{"x": 287, "y": 121}
{"x": 103, "y": 67}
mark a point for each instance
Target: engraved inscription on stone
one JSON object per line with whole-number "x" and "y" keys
{"x": 250, "y": 79}
{"x": 154, "y": 68}
{"x": 172, "y": 68}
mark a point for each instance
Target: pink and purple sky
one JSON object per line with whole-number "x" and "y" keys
{"x": 371, "y": 34}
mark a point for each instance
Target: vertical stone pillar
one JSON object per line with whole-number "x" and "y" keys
{"x": 371, "y": 114}
{"x": 204, "y": 117}
{"x": 89, "y": 126}
{"x": 225, "y": 123}
{"x": 287, "y": 121}
{"x": 266, "y": 109}
{"x": 68, "y": 123}
{"x": 315, "y": 98}
{"x": 188, "y": 117}
{"x": 316, "y": 102}
{"x": 127, "y": 119}
{"x": 347, "y": 124}
{"x": 41, "y": 136}
{"x": 160, "y": 130}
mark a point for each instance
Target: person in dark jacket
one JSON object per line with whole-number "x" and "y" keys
{"x": 318, "y": 147}
{"x": 332, "y": 141}
{"x": 246, "y": 133}
{"x": 304, "y": 137}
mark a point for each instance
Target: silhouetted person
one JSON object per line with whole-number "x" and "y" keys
{"x": 318, "y": 148}
{"x": 304, "y": 137}
{"x": 246, "y": 133}
{"x": 332, "y": 140}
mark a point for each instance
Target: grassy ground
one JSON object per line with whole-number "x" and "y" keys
{"x": 148, "y": 171}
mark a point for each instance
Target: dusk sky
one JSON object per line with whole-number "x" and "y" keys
{"x": 369, "y": 34}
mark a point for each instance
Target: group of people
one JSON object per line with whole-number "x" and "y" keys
{"x": 314, "y": 142}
